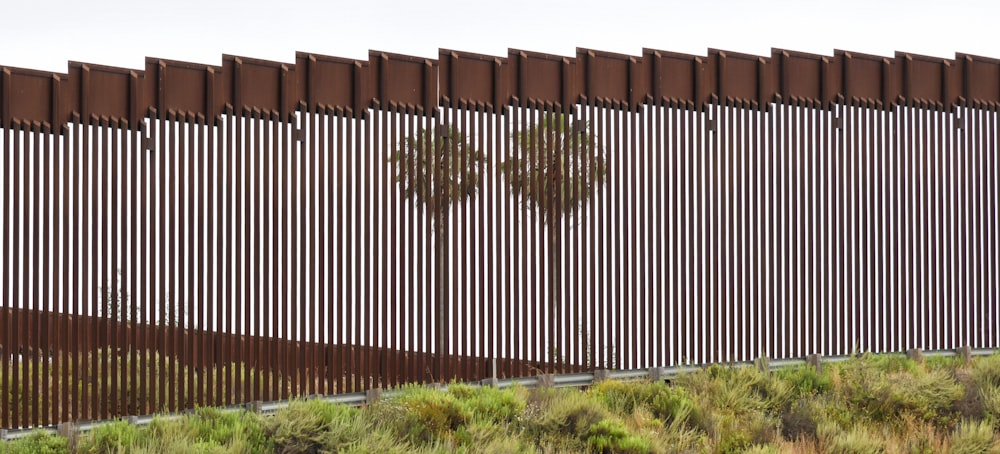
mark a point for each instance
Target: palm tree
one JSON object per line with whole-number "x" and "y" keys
{"x": 555, "y": 168}
{"x": 436, "y": 168}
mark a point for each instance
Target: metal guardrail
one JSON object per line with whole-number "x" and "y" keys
{"x": 575, "y": 380}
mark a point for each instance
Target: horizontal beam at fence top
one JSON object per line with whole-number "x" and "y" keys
{"x": 557, "y": 380}
{"x": 319, "y": 83}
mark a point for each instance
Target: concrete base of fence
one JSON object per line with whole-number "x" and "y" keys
{"x": 916, "y": 355}
{"x": 67, "y": 429}
{"x": 601, "y": 375}
{"x": 816, "y": 361}
{"x": 762, "y": 364}
{"x": 657, "y": 374}
{"x": 254, "y": 407}
{"x": 546, "y": 380}
{"x": 373, "y": 395}
{"x": 965, "y": 353}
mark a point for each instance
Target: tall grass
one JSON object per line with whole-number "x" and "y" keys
{"x": 870, "y": 404}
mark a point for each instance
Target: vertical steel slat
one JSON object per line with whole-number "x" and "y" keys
{"x": 660, "y": 292}
{"x": 132, "y": 328}
{"x": 897, "y": 154}
{"x": 966, "y": 149}
{"x": 397, "y": 294}
{"x": 16, "y": 340}
{"x": 812, "y": 170}
{"x": 331, "y": 191}
{"x": 920, "y": 221}
{"x": 308, "y": 293}
{"x": 714, "y": 300}
{"x": 881, "y": 249}
{"x": 224, "y": 386}
{"x": 351, "y": 370}
{"x": 934, "y": 169}
{"x": 737, "y": 316}
{"x": 6, "y": 307}
{"x": 484, "y": 230}
{"x": 185, "y": 363}
{"x": 861, "y": 267}
{"x": 379, "y": 270}
{"x": 278, "y": 172}
{"x": 360, "y": 133}
{"x": 322, "y": 342}
{"x": 780, "y": 257}
{"x": 980, "y": 320}
{"x": 208, "y": 150}
{"x": 793, "y": 232}
{"x": 994, "y": 331}
{"x": 676, "y": 131}
{"x": 658, "y": 172}
{"x": 102, "y": 270}
{"x": 521, "y": 144}
{"x": 909, "y": 235}
{"x": 755, "y": 194}
{"x": 30, "y": 369}
{"x": 240, "y": 266}
{"x": 256, "y": 302}
{"x": 44, "y": 320}
{"x": 632, "y": 324}
{"x": 368, "y": 333}
{"x": 116, "y": 314}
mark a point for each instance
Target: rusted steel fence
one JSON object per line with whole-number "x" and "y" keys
{"x": 202, "y": 235}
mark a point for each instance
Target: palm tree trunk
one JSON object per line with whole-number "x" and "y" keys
{"x": 555, "y": 285}
{"x": 441, "y": 290}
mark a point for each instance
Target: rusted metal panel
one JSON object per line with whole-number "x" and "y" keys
{"x": 804, "y": 76}
{"x": 539, "y": 78}
{"x": 333, "y": 82}
{"x": 30, "y": 95}
{"x": 104, "y": 91}
{"x": 252, "y": 83}
{"x": 923, "y": 79}
{"x": 869, "y": 78}
{"x": 605, "y": 75}
{"x": 677, "y": 77}
{"x": 403, "y": 79}
{"x": 473, "y": 78}
{"x": 741, "y": 77}
{"x": 184, "y": 87}
{"x": 980, "y": 78}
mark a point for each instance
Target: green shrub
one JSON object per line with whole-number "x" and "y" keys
{"x": 805, "y": 381}
{"x": 972, "y": 437}
{"x": 112, "y": 437}
{"x": 623, "y": 398}
{"x": 38, "y": 442}
{"x": 857, "y": 440}
{"x": 302, "y": 426}
{"x": 421, "y": 415}
{"x": 672, "y": 405}
{"x": 888, "y": 397}
{"x": 610, "y": 436}
{"x": 488, "y": 403}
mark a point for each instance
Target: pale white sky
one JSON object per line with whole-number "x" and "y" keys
{"x": 45, "y": 35}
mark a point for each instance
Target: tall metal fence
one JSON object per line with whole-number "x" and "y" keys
{"x": 203, "y": 235}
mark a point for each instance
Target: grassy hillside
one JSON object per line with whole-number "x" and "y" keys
{"x": 870, "y": 404}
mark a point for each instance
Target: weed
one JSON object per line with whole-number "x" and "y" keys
{"x": 107, "y": 438}
{"x": 610, "y": 436}
{"x": 973, "y": 437}
{"x": 39, "y": 442}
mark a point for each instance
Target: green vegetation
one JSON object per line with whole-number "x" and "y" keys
{"x": 870, "y": 404}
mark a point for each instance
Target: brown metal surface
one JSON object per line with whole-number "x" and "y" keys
{"x": 189, "y": 235}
